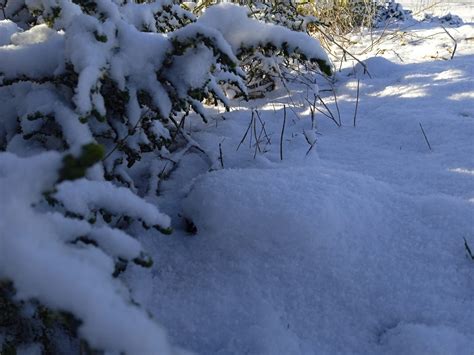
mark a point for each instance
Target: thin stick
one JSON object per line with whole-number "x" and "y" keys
{"x": 221, "y": 157}
{"x": 325, "y": 114}
{"x": 251, "y": 132}
{"x": 426, "y": 138}
{"x": 282, "y": 132}
{"x": 257, "y": 142}
{"x": 246, "y": 132}
{"x": 311, "y": 145}
{"x": 454, "y": 41}
{"x": 332, "y": 40}
{"x": 263, "y": 126}
{"x": 337, "y": 106}
{"x": 357, "y": 102}
{"x": 311, "y": 111}
{"x": 329, "y": 111}
{"x": 468, "y": 250}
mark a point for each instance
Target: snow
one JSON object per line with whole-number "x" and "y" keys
{"x": 194, "y": 76}
{"x": 243, "y": 32}
{"x": 61, "y": 276}
{"x": 356, "y": 247}
{"x": 7, "y": 29}
{"x": 82, "y": 195}
{"x": 41, "y": 43}
{"x": 423, "y": 339}
{"x": 291, "y": 236}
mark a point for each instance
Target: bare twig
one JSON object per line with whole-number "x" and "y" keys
{"x": 345, "y": 51}
{"x": 257, "y": 142}
{"x": 311, "y": 144}
{"x": 246, "y": 132}
{"x": 312, "y": 109}
{"x": 454, "y": 41}
{"x": 263, "y": 127}
{"x": 357, "y": 103}
{"x": 331, "y": 116}
{"x": 282, "y": 132}
{"x": 426, "y": 138}
{"x": 337, "y": 106}
{"x": 274, "y": 109}
{"x": 468, "y": 249}
{"x": 221, "y": 157}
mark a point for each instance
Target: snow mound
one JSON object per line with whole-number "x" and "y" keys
{"x": 322, "y": 237}
{"x": 378, "y": 67}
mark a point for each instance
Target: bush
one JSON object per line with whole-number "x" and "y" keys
{"x": 87, "y": 128}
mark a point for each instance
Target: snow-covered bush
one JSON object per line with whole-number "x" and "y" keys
{"x": 267, "y": 50}
{"x": 64, "y": 256}
{"x": 103, "y": 71}
{"x": 343, "y": 16}
{"x": 448, "y": 19}
{"x": 287, "y": 13}
{"x": 264, "y": 69}
{"x": 391, "y": 11}
{"x": 93, "y": 99}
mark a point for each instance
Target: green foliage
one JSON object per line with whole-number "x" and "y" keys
{"x": 166, "y": 231}
{"x": 76, "y": 167}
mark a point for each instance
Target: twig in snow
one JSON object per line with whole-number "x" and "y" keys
{"x": 282, "y": 132}
{"x": 257, "y": 139}
{"x": 426, "y": 138}
{"x": 468, "y": 249}
{"x": 312, "y": 109}
{"x": 274, "y": 109}
{"x": 454, "y": 41}
{"x": 357, "y": 102}
{"x": 332, "y": 40}
{"x": 311, "y": 143}
{"x": 337, "y": 106}
{"x": 263, "y": 127}
{"x": 221, "y": 157}
{"x": 331, "y": 116}
{"x": 246, "y": 132}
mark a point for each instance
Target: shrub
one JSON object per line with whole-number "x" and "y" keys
{"x": 86, "y": 129}
{"x": 266, "y": 51}
{"x": 56, "y": 251}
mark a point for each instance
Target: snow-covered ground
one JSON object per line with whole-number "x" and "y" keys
{"x": 459, "y": 7}
{"x": 353, "y": 246}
